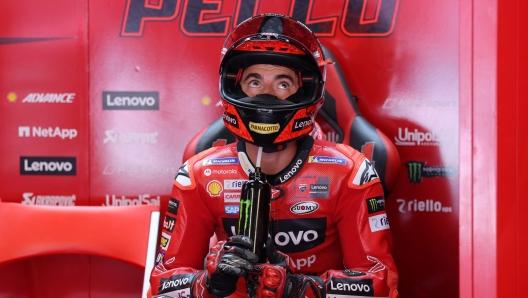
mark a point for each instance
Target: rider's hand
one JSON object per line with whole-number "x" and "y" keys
{"x": 226, "y": 262}
{"x": 276, "y": 280}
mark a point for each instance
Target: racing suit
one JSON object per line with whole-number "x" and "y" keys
{"x": 327, "y": 214}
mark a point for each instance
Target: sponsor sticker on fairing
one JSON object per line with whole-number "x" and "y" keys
{"x": 304, "y": 207}
{"x": 182, "y": 177}
{"x": 245, "y": 163}
{"x": 300, "y": 234}
{"x": 232, "y": 197}
{"x": 349, "y": 287}
{"x": 179, "y": 283}
{"x": 365, "y": 173}
{"x": 160, "y": 258}
{"x": 264, "y": 128}
{"x": 375, "y": 204}
{"x": 233, "y": 184}
{"x": 312, "y": 187}
{"x": 169, "y": 223}
{"x": 220, "y": 161}
{"x": 379, "y": 222}
{"x": 214, "y": 188}
{"x": 232, "y": 209}
{"x": 173, "y": 206}
{"x": 327, "y": 160}
{"x": 165, "y": 240}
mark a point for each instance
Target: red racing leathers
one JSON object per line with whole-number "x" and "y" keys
{"x": 327, "y": 215}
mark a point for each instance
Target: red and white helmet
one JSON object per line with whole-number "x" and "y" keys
{"x": 265, "y": 120}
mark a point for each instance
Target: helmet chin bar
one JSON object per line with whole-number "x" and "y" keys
{"x": 274, "y": 148}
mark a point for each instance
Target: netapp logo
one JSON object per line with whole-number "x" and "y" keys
{"x": 36, "y": 165}
{"x": 49, "y": 98}
{"x": 49, "y": 132}
{"x": 130, "y": 100}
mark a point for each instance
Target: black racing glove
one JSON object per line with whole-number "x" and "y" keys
{"x": 276, "y": 280}
{"x": 226, "y": 262}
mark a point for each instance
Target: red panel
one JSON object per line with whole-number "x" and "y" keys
{"x": 47, "y": 276}
{"x": 522, "y": 148}
{"x": 507, "y": 150}
{"x": 466, "y": 150}
{"x": 43, "y": 54}
{"x": 484, "y": 148}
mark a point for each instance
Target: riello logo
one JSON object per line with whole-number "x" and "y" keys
{"x": 44, "y": 165}
{"x": 130, "y": 100}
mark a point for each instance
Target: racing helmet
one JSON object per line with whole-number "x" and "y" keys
{"x": 265, "y": 120}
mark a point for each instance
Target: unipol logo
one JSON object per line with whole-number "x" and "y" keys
{"x": 130, "y": 100}
{"x": 415, "y": 137}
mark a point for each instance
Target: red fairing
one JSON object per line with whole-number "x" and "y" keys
{"x": 327, "y": 214}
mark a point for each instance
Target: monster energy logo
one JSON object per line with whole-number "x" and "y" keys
{"x": 418, "y": 170}
{"x": 375, "y": 204}
{"x": 245, "y": 208}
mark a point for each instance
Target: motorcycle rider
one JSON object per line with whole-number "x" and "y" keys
{"x": 329, "y": 230}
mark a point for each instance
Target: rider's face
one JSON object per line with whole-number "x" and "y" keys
{"x": 269, "y": 79}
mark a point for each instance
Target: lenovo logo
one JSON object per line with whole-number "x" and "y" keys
{"x": 130, "y": 100}
{"x": 36, "y": 165}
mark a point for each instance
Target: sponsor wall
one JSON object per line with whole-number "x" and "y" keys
{"x": 98, "y": 105}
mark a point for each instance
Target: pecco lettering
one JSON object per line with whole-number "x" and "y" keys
{"x": 358, "y": 20}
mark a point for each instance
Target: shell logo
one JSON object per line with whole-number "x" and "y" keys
{"x": 214, "y": 188}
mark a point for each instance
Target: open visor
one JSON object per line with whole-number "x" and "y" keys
{"x": 310, "y": 85}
